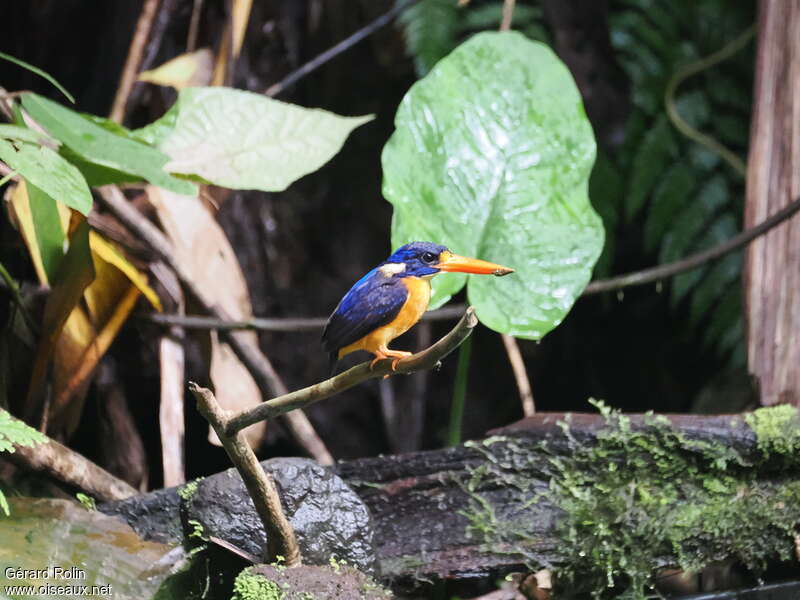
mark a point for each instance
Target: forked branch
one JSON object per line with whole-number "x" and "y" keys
{"x": 281, "y": 540}
{"x": 260, "y": 486}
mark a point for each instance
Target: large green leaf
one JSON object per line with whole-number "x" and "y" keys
{"x": 242, "y": 140}
{"x": 102, "y": 147}
{"x": 48, "y": 171}
{"x": 492, "y": 156}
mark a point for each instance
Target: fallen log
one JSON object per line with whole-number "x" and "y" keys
{"x": 598, "y": 498}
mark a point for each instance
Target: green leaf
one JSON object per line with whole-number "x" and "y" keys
{"x": 14, "y": 432}
{"x": 97, "y": 175}
{"x": 23, "y": 134}
{"x": 47, "y": 225}
{"x": 652, "y": 157}
{"x": 242, "y": 140}
{"x": 98, "y": 145}
{"x": 430, "y": 28}
{"x": 40, "y": 73}
{"x": 491, "y": 156}
{"x": 48, "y": 171}
{"x": 673, "y": 192}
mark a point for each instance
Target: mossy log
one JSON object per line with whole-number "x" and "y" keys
{"x": 598, "y": 498}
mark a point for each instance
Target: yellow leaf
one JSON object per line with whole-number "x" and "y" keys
{"x": 87, "y": 336}
{"x": 84, "y": 366}
{"x": 235, "y": 28}
{"x": 192, "y": 69}
{"x": 107, "y": 252}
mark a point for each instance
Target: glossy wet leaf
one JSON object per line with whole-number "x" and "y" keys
{"x": 48, "y": 171}
{"x": 242, "y": 140}
{"x": 98, "y": 145}
{"x": 491, "y": 156}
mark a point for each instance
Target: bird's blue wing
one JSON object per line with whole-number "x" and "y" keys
{"x": 373, "y": 301}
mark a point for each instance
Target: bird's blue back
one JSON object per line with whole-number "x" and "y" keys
{"x": 372, "y": 302}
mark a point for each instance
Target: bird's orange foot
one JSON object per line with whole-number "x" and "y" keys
{"x": 397, "y": 355}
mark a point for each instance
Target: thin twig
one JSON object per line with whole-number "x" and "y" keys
{"x": 427, "y": 359}
{"x": 281, "y": 540}
{"x": 520, "y": 374}
{"x": 67, "y": 466}
{"x": 253, "y": 359}
{"x": 695, "y": 260}
{"x": 508, "y": 15}
{"x": 451, "y": 312}
{"x": 687, "y": 71}
{"x": 298, "y": 324}
{"x": 194, "y": 26}
{"x": 131, "y": 68}
{"x": 334, "y": 51}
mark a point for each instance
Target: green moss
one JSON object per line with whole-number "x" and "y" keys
{"x": 197, "y": 529}
{"x": 637, "y": 500}
{"x": 255, "y": 587}
{"x": 86, "y": 501}
{"x": 777, "y": 429}
{"x": 188, "y": 490}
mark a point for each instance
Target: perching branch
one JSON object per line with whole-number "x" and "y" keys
{"x": 337, "y": 49}
{"x": 426, "y": 359}
{"x": 281, "y": 540}
{"x": 253, "y": 359}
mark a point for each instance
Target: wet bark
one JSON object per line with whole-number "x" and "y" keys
{"x": 772, "y": 267}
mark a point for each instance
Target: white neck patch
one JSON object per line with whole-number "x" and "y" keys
{"x": 390, "y": 269}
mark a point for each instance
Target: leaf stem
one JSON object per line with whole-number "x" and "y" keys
{"x": 687, "y": 71}
{"x": 508, "y": 14}
{"x": 459, "y": 394}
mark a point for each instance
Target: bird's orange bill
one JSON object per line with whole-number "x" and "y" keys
{"x": 461, "y": 264}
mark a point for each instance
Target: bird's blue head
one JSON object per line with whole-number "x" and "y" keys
{"x": 425, "y": 259}
{"x": 420, "y": 259}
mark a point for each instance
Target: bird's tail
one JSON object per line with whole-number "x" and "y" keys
{"x": 332, "y": 360}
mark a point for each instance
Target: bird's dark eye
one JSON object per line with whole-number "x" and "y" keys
{"x": 428, "y": 257}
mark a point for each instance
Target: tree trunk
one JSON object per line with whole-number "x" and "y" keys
{"x": 772, "y": 266}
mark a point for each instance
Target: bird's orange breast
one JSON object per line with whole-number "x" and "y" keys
{"x": 419, "y": 295}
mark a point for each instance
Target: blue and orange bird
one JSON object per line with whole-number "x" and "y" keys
{"x": 391, "y": 298}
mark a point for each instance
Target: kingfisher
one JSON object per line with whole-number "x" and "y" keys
{"x": 391, "y": 298}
